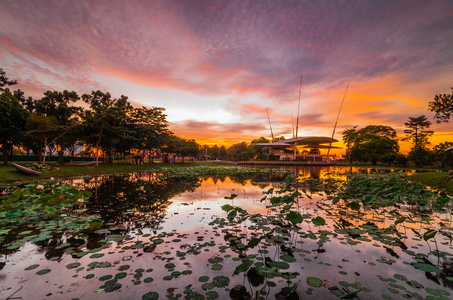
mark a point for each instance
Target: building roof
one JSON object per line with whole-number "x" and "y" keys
{"x": 307, "y": 141}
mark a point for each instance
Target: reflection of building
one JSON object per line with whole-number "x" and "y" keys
{"x": 306, "y": 148}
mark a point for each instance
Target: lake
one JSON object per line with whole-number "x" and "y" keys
{"x": 220, "y": 236}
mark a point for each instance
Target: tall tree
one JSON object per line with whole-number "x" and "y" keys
{"x": 60, "y": 106}
{"x": 419, "y": 137}
{"x": 442, "y": 106}
{"x": 372, "y": 143}
{"x": 149, "y": 127}
{"x": 45, "y": 130}
{"x": 104, "y": 124}
{"x": 13, "y": 119}
{"x": 416, "y": 132}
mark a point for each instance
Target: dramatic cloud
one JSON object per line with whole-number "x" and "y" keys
{"x": 224, "y": 63}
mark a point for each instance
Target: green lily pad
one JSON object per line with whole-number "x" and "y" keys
{"x": 42, "y": 272}
{"x": 212, "y": 295}
{"x": 73, "y": 265}
{"x": 203, "y": 279}
{"x": 150, "y": 296}
{"x": 106, "y": 277}
{"x": 314, "y": 282}
{"x": 426, "y": 267}
{"x": 31, "y": 267}
{"x": 120, "y": 275}
{"x": 221, "y": 281}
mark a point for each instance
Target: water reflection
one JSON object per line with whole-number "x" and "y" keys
{"x": 123, "y": 199}
{"x": 323, "y": 172}
{"x": 167, "y": 225}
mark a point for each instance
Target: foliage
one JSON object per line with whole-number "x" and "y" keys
{"x": 442, "y": 106}
{"x": 383, "y": 191}
{"x": 281, "y": 247}
{"x": 241, "y": 151}
{"x": 444, "y": 157}
{"x": 4, "y": 81}
{"x": 149, "y": 127}
{"x": 104, "y": 125}
{"x": 419, "y": 138}
{"x": 34, "y": 203}
{"x": 372, "y": 143}
{"x": 175, "y": 146}
{"x": 13, "y": 119}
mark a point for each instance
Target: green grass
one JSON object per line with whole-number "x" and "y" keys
{"x": 9, "y": 175}
{"x": 434, "y": 179}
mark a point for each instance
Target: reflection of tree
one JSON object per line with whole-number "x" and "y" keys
{"x": 125, "y": 198}
{"x": 447, "y": 271}
{"x": 246, "y": 178}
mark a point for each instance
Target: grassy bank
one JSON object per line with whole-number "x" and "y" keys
{"x": 9, "y": 175}
{"x": 434, "y": 179}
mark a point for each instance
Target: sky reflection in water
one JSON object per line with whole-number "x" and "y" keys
{"x": 171, "y": 222}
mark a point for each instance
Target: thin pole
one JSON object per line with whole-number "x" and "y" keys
{"x": 298, "y": 105}
{"x": 270, "y": 126}
{"x": 292, "y": 124}
{"x": 297, "y": 122}
{"x": 336, "y": 121}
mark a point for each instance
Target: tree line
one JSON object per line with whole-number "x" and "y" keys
{"x": 104, "y": 124}
{"x": 112, "y": 126}
{"x": 378, "y": 143}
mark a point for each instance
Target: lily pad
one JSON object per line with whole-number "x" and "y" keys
{"x": 221, "y": 281}
{"x": 314, "y": 282}
{"x": 42, "y": 272}
{"x": 120, "y": 275}
{"x": 73, "y": 265}
{"x": 150, "y": 296}
{"x": 106, "y": 277}
{"x": 426, "y": 267}
{"x": 31, "y": 267}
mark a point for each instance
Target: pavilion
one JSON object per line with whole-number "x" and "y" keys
{"x": 306, "y": 148}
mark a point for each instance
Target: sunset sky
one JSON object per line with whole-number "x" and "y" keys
{"x": 216, "y": 66}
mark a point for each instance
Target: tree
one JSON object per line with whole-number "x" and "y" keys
{"x": 59, "y": 105}
{"x": 442, "y": 106}
{"x": 444, "y": 157}
{"x": 222, "y": 152}
{"x": 13, "y": 120}
{"x": 419, "y": 138}
{"x": 241, "y": 151}
{"x": 416, "y": 133}
{"x": 150, "y": 127}
{"x": 263, "y": 152}
{"x": 4, "y": 81}
{"x": 46, "y": 130}
{"x": 105, "y": 124}
{"x": 372, "y": 143}
{"x": 214, "y": 152}
{"x": 190, "y": 148}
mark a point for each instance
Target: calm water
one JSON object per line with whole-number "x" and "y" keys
{"x": 164, "y": 236}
